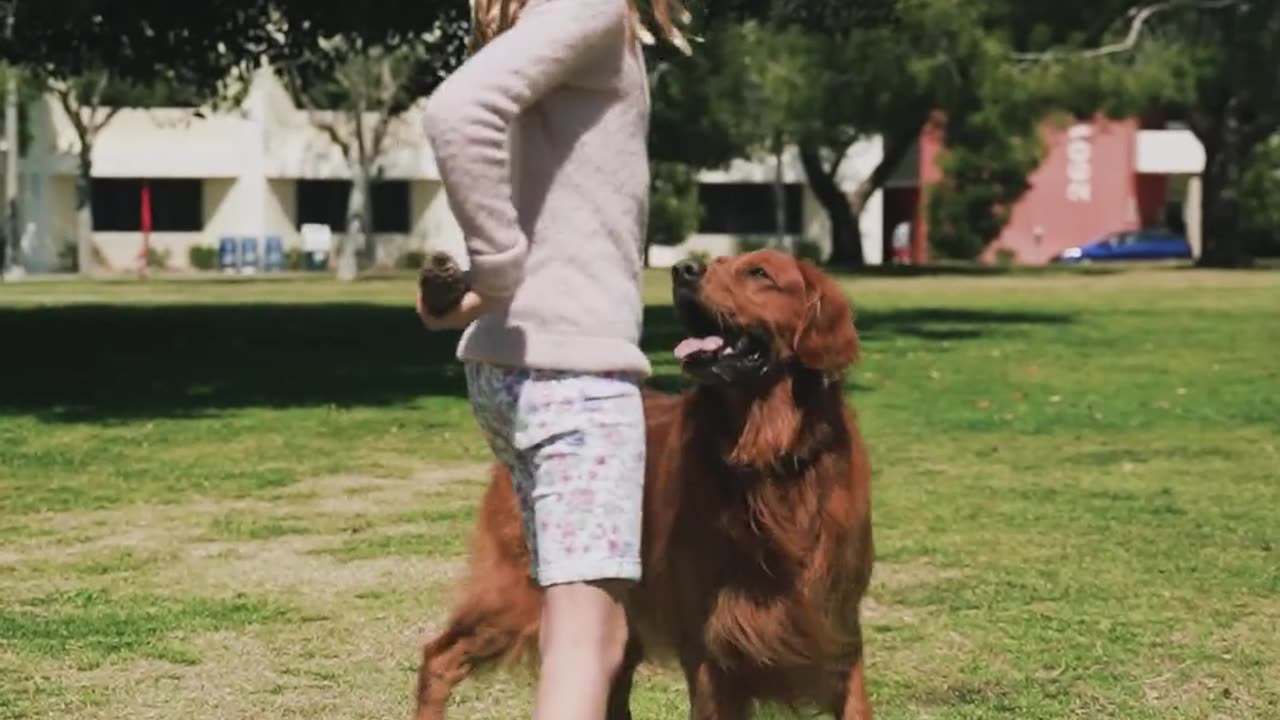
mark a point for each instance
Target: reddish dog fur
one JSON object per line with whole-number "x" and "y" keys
{"x": 757, "y": 523}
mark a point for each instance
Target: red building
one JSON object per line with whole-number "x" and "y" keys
{"x": 1097, "y": 177}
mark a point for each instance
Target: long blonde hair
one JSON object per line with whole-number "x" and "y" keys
{"x": 490, "y": 18}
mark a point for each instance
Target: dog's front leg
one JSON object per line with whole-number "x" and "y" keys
{"x": 620, "y": 692}
{"x": 854, "y": 704}
{"x": 712, "y": 695}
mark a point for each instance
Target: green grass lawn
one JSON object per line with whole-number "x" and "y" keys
{"x": 227, "y": 499}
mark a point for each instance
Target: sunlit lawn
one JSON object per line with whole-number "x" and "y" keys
{"x": 225, "y": 499}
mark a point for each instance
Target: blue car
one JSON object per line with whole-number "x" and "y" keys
{"x": 1130, "y": 245}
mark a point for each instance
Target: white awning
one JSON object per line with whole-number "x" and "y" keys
{"x": 1168, "y": 152}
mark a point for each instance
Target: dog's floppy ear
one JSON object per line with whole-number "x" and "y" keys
{"x": 826, "y": 339}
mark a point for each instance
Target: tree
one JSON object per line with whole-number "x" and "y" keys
{"x": 96, "y": 60}
{"x": 1234, "y": 110}
{"x": 90, "y": 100}
{"x": 823, "y": 75}
{"x": 674, "y": 211}
{"x": 773, "y": 71}
{"x": 359, "y": 108}
{"x": 1260, "y": 190}
{"x": 1196, "y": 61}
{"x": 357, "y": 76}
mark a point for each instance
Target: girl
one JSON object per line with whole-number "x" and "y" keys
{"x": 540, "y": 138}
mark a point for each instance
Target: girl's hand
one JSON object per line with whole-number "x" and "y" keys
{"x": 468, "y": 309}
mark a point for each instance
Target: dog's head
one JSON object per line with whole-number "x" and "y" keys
{"x": 761, "y": 315}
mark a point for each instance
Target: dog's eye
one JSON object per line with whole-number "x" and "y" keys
{"x": 759, "y": 272}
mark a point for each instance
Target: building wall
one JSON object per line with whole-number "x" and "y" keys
{"x": 227, "y": 204}
{"x": 249, "y": 160}
{"x": 1086, "y": 187}
{"x": 434, "y": 222}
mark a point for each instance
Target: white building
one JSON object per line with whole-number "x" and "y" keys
{"x": 738, "y": 203}
{"x": 258, "y": 171}
{"x": 265, "y": 169}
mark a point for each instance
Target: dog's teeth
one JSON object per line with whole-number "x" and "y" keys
{"x": 728, "y": 351}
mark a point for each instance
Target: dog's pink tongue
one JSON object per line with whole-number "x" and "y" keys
{"x": 693, "y": 346}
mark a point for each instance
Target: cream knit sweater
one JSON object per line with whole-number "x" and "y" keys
{"x": 541, "y": 141}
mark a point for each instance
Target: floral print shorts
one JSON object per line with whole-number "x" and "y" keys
{"x": 575, "y": 443}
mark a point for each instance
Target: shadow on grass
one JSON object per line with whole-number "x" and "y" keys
{"x": 101, "y": 363}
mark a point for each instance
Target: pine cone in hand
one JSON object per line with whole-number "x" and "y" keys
{"x": 442, "y": 283}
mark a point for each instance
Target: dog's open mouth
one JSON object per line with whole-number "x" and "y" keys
{"x": 719, "y": 352}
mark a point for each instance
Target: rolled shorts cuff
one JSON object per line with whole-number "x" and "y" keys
{"x": 586, "y": 572}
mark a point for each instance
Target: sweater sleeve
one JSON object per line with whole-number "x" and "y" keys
{"x": 468, "y": 118}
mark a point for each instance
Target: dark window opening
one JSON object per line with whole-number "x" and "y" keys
{"x": 390, "y": 200}
{"x": 748, "y": 208}
{"x": 176, "y": 205}
{"x": 325, "y": 202}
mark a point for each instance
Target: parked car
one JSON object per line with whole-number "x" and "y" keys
{"x": 1130, "y": 245}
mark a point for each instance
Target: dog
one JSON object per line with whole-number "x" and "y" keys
{"x": 756, "y": 544}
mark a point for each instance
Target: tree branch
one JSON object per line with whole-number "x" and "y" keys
{"x": 1138, "y": 18}
{"x": 322, "y": 120}
{"x": 71, "y": 106}
{"x": 386, "y": 102}
{"x": 330, "y": 128}
{"x": 840, "y": 156}
{"x": 111, "y": 112}
{"x": 362, "y": 146}
{"x": 896, "y": 146}
{"x": 95, "y": 104}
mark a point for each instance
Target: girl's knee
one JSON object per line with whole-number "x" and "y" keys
{"x": 586, "y": 623}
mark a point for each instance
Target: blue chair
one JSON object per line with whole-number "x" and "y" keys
{"x": 273, "y": 254}
{"x": 249, "y": 259}
{"x": 228, "y": 254}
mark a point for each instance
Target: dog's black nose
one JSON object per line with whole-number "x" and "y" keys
{"x": 688, "y": 271}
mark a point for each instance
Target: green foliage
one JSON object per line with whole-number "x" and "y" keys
{"x": 202, "y": 257}
{"x": 68, "y": 257}
{"x": 411, "y": 260}
{"x": 1200, "y": 63}
{"x": 696, "y": 108}
{"x": 808, "y": 250}
{"x": 295, "y": 259}
{"x": 789, "y": 73}
{"x": 674, "y": 210}
{"x": 1260, "y": 188}
{"x": 158, "y": 258}
{"x": 700, "y": 256}
{"x": 182, "y": 45}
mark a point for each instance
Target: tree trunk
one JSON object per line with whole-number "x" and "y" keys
{"x": 85, "y": 264}
{"x": 846, "y": 235}
{"x": 1221, "y": 218}
{"x": 1225, "y": 154}
{"x": 355, "y": 241}
{"x": 779, "y": 193}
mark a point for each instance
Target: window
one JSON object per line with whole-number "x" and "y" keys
{"x": 176, "y": 205}
{"x": 325, "y": 202}
{"x": 748, "y": 208}
{"x": 390, "y": 200}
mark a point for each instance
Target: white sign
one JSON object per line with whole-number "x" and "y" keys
{"x": 316, "y": 237}
{"x": 1080, "y": 163}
